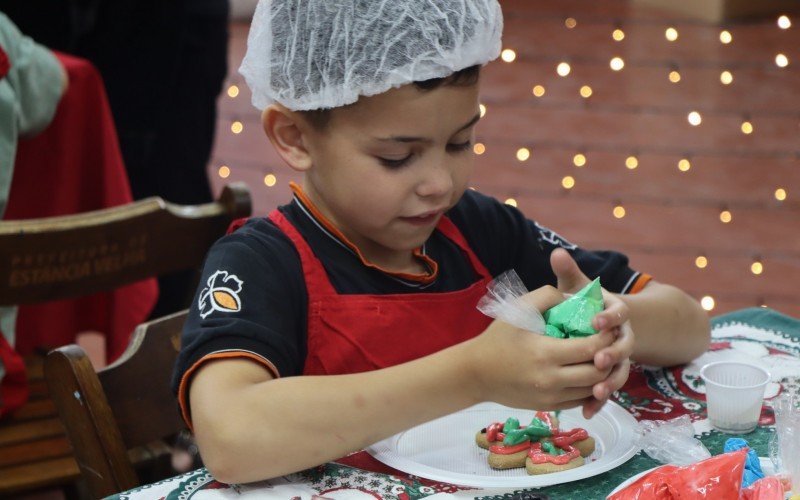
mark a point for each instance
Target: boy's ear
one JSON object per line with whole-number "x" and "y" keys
{"x": 287, "y": 136}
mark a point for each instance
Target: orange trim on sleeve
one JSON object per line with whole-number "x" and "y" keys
{"x": 641, "y": 281}
{"x": 184, "y": 385}
{"x": 424, "y": 278}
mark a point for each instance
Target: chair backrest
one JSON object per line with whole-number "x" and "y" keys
{"x": 120, "y": 407}
{"x": 61, "y": 257}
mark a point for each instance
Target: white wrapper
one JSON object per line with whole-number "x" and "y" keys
{"x": 504, "y": 301}
{"x": 784, "y": 447}
{"x": 671, "y": 441}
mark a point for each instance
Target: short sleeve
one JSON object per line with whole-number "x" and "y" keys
{"x": 249, "y": 303}
{"x": 503, "y": 238}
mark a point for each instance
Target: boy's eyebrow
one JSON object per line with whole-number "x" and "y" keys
{"x": 402, "y": 138}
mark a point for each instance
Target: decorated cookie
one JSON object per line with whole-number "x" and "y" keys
{"x": 546, "y": 457}
{"x": 495, "y": 434}
{"x": 540, "y": 446}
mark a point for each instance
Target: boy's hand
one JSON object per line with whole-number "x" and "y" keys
{"x": 522, "y": 369}
{"x": 614, "y": 319}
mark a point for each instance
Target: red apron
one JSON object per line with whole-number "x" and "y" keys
{"x": 357, "y": 333}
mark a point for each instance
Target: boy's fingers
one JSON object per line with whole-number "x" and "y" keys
{"x": 543, "y": 298}
{"x": 621, "y": 349}
{"x": 591, "y": 406}
{"x": 615, "y": 314}
{"x": 579, "y": 350}
{"x": 570, "y": 277}
{"x": 615, "y": 380}
{"x": 582, "y": 375}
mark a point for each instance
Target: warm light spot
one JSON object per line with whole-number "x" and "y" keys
{"x": 726, "y": 77}
{"x": 674, "y": 76}
{"x": 701, "y": 261}
{"x": 671, "y": 34}
{"x": 781, "y": 60}
{"x": 707, "y": 302}
{"x": 237, "y": 127}
{"x": 684, "y": 165}
{"x": 523, "y": 154}
{"x": 694, "y": 118}
{"x": 508, "y": 55}
{"x": 725, "y": 216}
{"x": 631, "y": 162}
{"x": 563, "y": 69}
{"x": 512, "y": 202}
{"x": 270, "y": 180}
{"x": 568, "y": 182}
{"x": 570, "y": 22}
{"x": 780, "y": 194}
{"x": 784, "y": 22}
{"x": 617, "y": 63}
{"x": 579, "y": 160}
{"x": 479, "y": 148}
{"x": 619, "y": 211}
{"x": 482, "y": 109}
{"x": 586, "y": 91}
{"x": 747, "y": 127}
{"x": 757, "y": 268}
{"x": 538, "y": 90}
{"x": 233, "y": 91}
{"x": 725, "y": 37}
{"x": 618, "y": 35}
{"x": 224, "y": 171}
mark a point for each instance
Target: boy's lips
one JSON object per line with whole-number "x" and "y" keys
{"x": 423, "y": 219}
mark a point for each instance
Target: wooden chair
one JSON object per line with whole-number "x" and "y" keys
{"x": 114, "y": 412}
{"x": 145, "y": 239}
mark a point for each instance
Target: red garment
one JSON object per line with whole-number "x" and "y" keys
{"x": 355, "y": 333}
{"x": 5, "y": 64}
{"x": 75, "y": 166}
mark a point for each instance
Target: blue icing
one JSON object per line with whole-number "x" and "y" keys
{"x": 752, "y": 467}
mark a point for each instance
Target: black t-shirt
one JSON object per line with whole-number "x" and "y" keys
{"x": 265, "y": 312}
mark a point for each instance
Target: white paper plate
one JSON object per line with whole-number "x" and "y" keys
{"x": 444, "y": 449}
{"x": 766, "y": 467}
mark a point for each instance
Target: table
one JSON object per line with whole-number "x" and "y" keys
{"x": 74, "y": 166}
{"x": 763, "y": 336}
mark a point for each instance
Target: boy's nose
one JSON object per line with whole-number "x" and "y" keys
{"x": 438, "y": 181}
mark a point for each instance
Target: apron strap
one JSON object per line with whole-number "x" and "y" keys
{"x": 447, "y": 228}
{"x": 317, "y": 281}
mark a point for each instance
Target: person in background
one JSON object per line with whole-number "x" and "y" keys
{"x": 32, "y": 82}
{"x": 349, "y": 314}
{"x": 163, "y": 63}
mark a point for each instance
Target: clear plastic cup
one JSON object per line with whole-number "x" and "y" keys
{"x": 734, "y": 395}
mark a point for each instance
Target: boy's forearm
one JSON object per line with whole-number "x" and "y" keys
{"x": 670, "y": 327}
{"x": 245, "y": 437}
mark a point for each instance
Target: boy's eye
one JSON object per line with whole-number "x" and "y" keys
{"x": 457, "y": 148}
{"x": 392, "y": 163}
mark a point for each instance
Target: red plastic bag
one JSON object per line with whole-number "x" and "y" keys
{"x": 768, "y": 488}
{"x": 716, "y": 477}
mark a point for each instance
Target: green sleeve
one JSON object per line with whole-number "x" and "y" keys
{"x": 36, "y": 79}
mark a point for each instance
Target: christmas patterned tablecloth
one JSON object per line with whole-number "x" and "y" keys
{"x": 758, "y": 335}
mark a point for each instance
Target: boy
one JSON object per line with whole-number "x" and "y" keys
{"x": 350, "y": 314}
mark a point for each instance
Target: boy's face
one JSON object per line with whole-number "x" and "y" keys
{"x": 387, "y": 168}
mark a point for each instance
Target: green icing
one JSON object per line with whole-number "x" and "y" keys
{"x": 533, "y": 432}
{"x": 515, "y": 436}
{"x": 538, "y": 429}
{"x": 552, "y": 331}
{"x": 510, "y": 425}
{"x": 551, "y": 449}
{"x": 573, "y": 317}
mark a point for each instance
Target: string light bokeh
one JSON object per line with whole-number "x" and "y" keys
{"x": 674, "y": 141}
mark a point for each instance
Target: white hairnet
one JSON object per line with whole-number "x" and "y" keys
{"x": 314, "y": 54}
